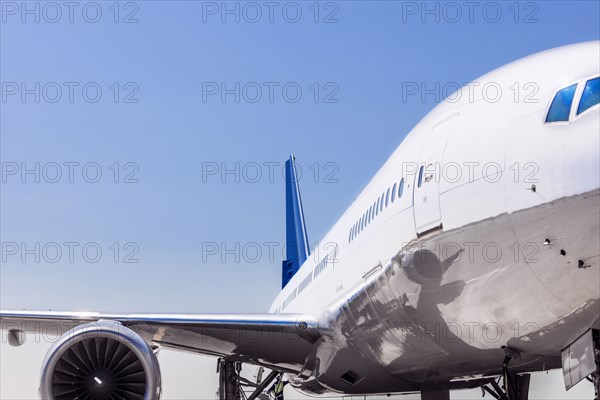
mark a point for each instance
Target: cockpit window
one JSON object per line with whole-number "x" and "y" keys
{"x": 590, "y": 96}
{"x": 561, "y": 105}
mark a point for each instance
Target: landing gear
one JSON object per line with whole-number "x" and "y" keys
{"x": 595, "y": 376}
{"x": 514, "y": 387}
{"x": 596, "y": 382}
{"x": 518, "y": 388}
{"x": 232, "y": 386}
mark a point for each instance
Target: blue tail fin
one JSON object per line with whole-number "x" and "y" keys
{"x": 297, "y": 250}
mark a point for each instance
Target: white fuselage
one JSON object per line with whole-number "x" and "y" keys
{"x": 502, "y": 196}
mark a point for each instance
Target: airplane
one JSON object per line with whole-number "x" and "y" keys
{"x": 470, "y": 260}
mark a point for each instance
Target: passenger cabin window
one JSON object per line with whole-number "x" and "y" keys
{"x": 401, "y": 188}
{"x": 560, "y": 109}
{"x": 590, "y": 96}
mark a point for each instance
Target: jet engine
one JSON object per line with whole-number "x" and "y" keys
{"x": 100, "y": 360}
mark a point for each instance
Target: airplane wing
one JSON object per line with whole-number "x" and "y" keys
{"x": 281, "y": 341}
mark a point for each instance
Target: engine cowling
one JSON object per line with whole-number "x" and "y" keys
{"x": 100, "y": 360}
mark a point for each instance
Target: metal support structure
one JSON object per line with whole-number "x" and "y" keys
{"x": 518, "y": 388}
{"x": 229, "y": 379}
{"x": 263, "y": 385}
{"x": 514, "y": 387}
{"x": 496, "y": 391}
{"x": 231, "y": 384}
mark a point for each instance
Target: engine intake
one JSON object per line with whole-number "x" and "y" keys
{"x": 100, "y": 360}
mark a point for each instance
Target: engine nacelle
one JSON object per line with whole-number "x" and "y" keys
{"x": 100, "y": 360}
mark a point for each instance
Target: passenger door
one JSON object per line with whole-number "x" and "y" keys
{"x": 426, "y": 192}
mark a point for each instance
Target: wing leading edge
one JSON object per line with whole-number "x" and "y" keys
{"x": 282, "y": 341}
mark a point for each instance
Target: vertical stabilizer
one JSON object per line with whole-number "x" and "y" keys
{"x": 297, "y": 250}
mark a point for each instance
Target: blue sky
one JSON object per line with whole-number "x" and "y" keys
{"x": 176, "y": 130}
{"x": 159, "y": 121}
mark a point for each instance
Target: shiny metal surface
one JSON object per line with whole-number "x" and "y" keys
{"x": 263, "y": 339}
{"x": 425, "y": 320}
